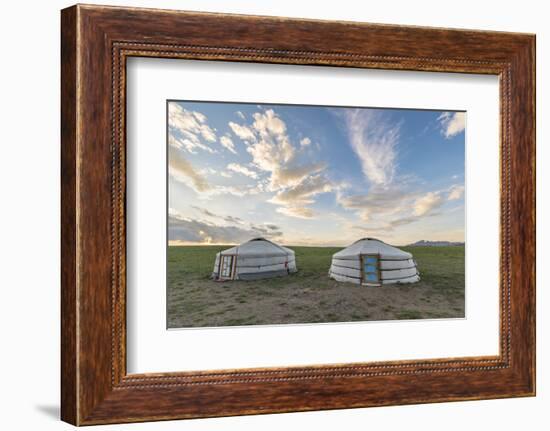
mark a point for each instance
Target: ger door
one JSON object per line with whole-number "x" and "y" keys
{"x": 370, "y": 270}
{"x": 226, "y": 267}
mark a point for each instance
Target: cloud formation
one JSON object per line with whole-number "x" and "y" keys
{"x": 283, "y": 177}
{"x": 427, "y": 203}
{"x": 452, "y": 123}
{"x": 272, "y": 152}
{"x": 189, "y": 128}
{"x": 227, "y": 218}
{"x": 227, "y": 143}
{"x": 191, "y": 143}
{"x": 392, "y": 200}
{"x": 183, "y": 171}
{"x": 294, "y": 200}
{"x": 374, "y": 139}
{"x": 384, "y": 209}
{"x": 240, "y": 169}
{"x": 189, "y": 131}
{"x": 455, "y": 192}
{"x": 295, "y": 211}
{"x": 185, "y": 230}
{"x": 287, "y": 174}
{"x": 304, "y": 192}
{"x": 242, "y": 132}
{"x": 271, "y": 148}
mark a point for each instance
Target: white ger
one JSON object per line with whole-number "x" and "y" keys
{"x": 371, "y": 262}
{"x": 254, "y": 260}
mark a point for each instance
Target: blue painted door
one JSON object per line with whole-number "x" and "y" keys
{"x": 370, "y": 269}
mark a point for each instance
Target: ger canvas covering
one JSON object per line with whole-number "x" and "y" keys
{"x": 370, "y": 261}
{"x": 254, "y": 260}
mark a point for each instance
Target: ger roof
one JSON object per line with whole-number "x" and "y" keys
{"x": 371, "y": 246}
{"x": 258, "y": 247}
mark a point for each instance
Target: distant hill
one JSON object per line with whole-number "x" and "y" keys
{"x": 424, "y": 243}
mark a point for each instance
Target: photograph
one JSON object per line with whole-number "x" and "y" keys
{"x": 300, "y": 214}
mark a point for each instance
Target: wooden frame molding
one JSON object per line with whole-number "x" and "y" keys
{"x": 96, "y": 42}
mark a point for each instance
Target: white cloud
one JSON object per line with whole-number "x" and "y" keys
{"x": 183, "y": 171}
{"x": 393, "y": 207}
{"x": 218, "y": 190}
{"x": 283, "y": 177}
{"x": 298, "y": 212}
{"x": 452, "y": 123}
{"x": 207, "y": 133}
{"x": 228, "y": 144}
{"x": 272, "y": 130}
{"x": 189, "y": 128}
{"x": 387, "y": 208}
{"x": 455, "y": 192}
{"x": 240, "y": 115}
{"x": 235, "y": 167}
{"x": 268, "y": 123}
{"x": 207, "y": 170}
{"x": 379, "y": 200}
{"x": 190, "y": 143}
{"x": 201, "y": 118}
{"x": 235, "y": 191}
{"x": 427, "y": 203}
{"x": 226, "y": 218}
{"x": 303, "y": 193}
{"x": 185, "y": 230}
{"x": 391, "y": 201}
{"x": 275, "y": 154}
{"x": 269, "y": 156}
{"x": 293, "y": 200}
{"x": 217, "y": 229}
{"x": 374, "y": 140}
{"x": 295, "y": 184}
{"x": 204, "y": 211}
{"x": 243, "y": 132}
{"x": 271, "y": 150}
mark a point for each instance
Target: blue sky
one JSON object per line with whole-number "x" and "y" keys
{"x": 313, "y": 175}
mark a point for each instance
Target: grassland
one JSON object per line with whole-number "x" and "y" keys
{"x": 309, "y": 296}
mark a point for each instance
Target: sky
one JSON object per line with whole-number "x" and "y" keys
{"x": 313, "y": 175}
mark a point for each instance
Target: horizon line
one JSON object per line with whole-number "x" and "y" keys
{"x": 456, "y": 243}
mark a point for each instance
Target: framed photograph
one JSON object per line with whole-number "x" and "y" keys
{"x": 267, "y": 215}
{"x": 270, "y": 208}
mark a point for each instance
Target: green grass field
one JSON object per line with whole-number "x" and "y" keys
{"x": 309, "y": 296}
